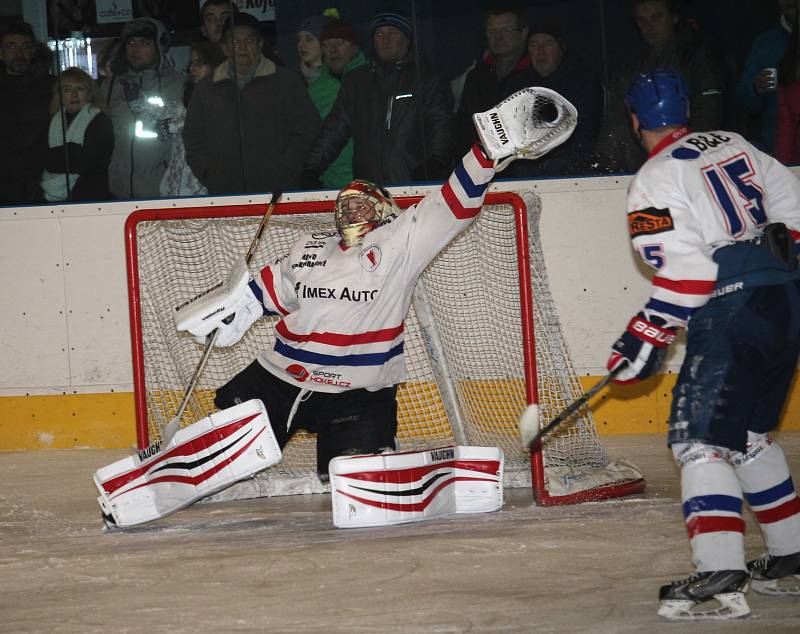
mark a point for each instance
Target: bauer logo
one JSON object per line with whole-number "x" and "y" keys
{"x": 371, "y": 258}
{"x": 297, "y": 372}
{"x": 650, "y": 221}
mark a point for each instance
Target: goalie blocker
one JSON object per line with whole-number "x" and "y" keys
{"x": 200, "y": 460}
{"x": 397, "y": 488}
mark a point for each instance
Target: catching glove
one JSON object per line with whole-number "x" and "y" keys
{"x": 231, "y": 307}
{"x": 644, "y": 346}
{"x": 528, "y": 124}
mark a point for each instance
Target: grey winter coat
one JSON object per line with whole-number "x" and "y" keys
{"x": 140, "y": 159}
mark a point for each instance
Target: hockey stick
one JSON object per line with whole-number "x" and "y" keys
{"x": 174, "y": 425}
{"x": 529, "y": 420}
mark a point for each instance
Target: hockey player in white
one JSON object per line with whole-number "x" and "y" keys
{"x": 341, "y": 296}
{"x": 718, "y": 220}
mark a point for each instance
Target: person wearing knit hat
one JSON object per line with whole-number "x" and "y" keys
{"x": 340, "y": 55}
{"x": 143, "y": 90}
{"x": 396, "y": 110}
{"x": 309, "y": 49}
{"x": 339, "y": 46}
{"x": 546, "y": 46}
{"x": 555, "y": 66}
{"x": 391, "y": 36}
{"x": 392, "y": 18}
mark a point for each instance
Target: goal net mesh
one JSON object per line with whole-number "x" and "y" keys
{"x": 465, "y": 363}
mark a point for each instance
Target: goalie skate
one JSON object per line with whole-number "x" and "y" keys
{"x": 776, "y": 575}
{"x": 726, "y": 587}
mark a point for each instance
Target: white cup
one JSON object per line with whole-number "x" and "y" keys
{"x": 772, "y": 84}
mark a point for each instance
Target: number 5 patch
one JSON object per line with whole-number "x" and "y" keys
{"x": 650, "y": 221}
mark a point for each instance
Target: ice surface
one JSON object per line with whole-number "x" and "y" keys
{"x": 278, "y": 565}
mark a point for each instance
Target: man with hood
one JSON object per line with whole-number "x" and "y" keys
{"x": 142, "y": 92}
{"x": 397, "y": 109}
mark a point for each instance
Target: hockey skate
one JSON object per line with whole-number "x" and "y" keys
{"x": 768, "y": 571}
{"x": 727, "y": 587}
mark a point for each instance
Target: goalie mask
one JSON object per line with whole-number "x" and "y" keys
{"x": 361, "y": 207}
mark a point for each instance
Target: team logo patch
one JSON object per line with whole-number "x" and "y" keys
{"x": 650, "y": 221}
{"x": 685, "y": 154}
{"x": 370, "y": 258}
{"x": 297, "y": 372}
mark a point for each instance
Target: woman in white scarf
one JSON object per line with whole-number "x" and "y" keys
{"x": 80, "y": 139}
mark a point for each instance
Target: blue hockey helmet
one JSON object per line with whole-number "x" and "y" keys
{"x": 659, "y": 98}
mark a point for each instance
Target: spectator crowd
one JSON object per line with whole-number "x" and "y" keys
{"x": 359, "y": 104}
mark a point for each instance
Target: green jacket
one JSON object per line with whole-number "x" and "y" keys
{"x": 323, "y": 92}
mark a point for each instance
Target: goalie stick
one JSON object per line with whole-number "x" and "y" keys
{"x": 529, "y": 420}
{"x": 175, "y": 424}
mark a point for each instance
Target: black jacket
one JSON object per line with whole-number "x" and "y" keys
{"x": 24, "y": 121}
{"x": 482, "y": 90}
{"x": 699, "y": 64}
{"x": 257, "y": 144}
{"x": 574, "y": 82}
{"x": 89, "y": 160}
{"x": 400, "y": 117}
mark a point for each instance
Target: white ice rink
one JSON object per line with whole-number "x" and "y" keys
{"x": 278, "y": 565}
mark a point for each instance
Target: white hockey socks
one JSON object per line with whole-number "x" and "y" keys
{"x": 201, "y": 459}
{"x": 769, "y": 490}
{"x": 396, "y": 488}
{"x": 712, "y": 507}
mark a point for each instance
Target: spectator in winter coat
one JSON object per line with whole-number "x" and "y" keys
{"x": 341, "y": 54}
{"x": 309, "y": 47}
{"x": 668, "y": 43}
{"x": 787, "y": 130}
{"x": 556, "y": 66}
{"x": 397, "y": 110}
{"x": 24, "y": 116}
{"x": 756, "y": 92}
{"x": 506, "y": 36}
{"x": 81, "y": 140}
{"x": 142, "y": 95}
{"x": 250, "y": 123}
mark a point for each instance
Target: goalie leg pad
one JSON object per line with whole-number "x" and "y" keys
{"x": 397, "y": 488}
{"x": 201, "y": 459}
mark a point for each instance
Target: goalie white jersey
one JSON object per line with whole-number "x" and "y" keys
{"x": 364, "y": 291}
{"x": 733, "y": 191}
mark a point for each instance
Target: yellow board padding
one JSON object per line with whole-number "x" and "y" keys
{"x": 643, "y": 408}
{"x": 107, "y": 420}
{"x": 67, "y": 420}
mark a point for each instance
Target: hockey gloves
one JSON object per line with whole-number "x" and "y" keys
{"x": 643, "y": 345}
{"x": 231, "y": 307}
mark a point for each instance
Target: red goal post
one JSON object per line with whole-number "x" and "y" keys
{"x": 471, "y": 350}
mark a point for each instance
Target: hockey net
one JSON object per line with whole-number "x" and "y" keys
{"x": 470, "y": 348}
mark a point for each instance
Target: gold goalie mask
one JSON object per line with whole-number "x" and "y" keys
{"x": 361, "y": 207}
